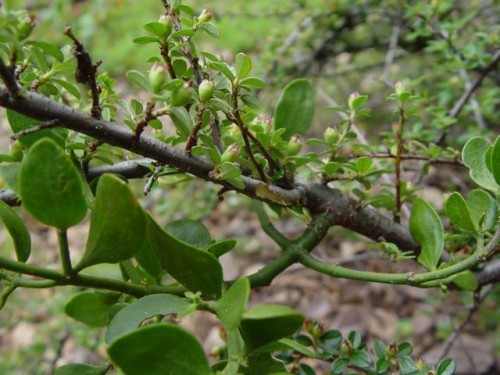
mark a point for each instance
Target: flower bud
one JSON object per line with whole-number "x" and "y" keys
{"x": 205, "y": 16}
{"x": 331, "y": 136}
{"x": 168, "y": 23}
{"x": 16, "y": 151}
{"x": 400, "y": 87}
{"x": 206, "y": 90}
{"x": 351, "y": 99}
{"x": 294, "y": 145}
{"x": 230, "y": 154}
{"x": 180, "y": 96}
{"x": 157, "y": 77}
{"x": 26, "y": 26}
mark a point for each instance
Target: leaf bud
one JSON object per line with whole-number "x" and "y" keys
{"x": 26, "y": 26}
{"x": 331, "y": 136}
{"x": 294, "y": 145}
{"x": 157, "y": 76}
{"x": 205, "y": 16}
{"x": 180, "y": 96}
{"x": 206, "y": 90}
{"x": 351, "y": 99}
{"x": 400, "y": 87}
{"x": 168, "y": 23}
{"x": 230, "y": 154}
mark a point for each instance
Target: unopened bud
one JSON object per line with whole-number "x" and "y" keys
{"x": 168, "y": 23}
{"x": 331, "y": 136}
{"x": 206, "y": 90}
{"x": 400, "y": 87}
{"x": 351, "y": 99}
{"x": 205, "y": 16}
{"x": 157, "y": 77}
{"x": 294, "y": 145}
{"x": 230, "y": 154}
{"x": 180, "y": 96}
{"x": 26, "y": 26}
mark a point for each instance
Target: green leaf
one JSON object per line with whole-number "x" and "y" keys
{"x": 483, "y": 209}
{"x": 222, "y": 68}
{"x": 117, "y": 224}
{"x": 81, "y": 369}
{"x": 242, "y": 65}
{"x": 231, "y": 306}
{"x": 286, "y": 344}
{"x": 10, "y": 173}
{"x": 138, "y": 79}
{"x": 17, "y": 230}
{"x": 68, "y": 86}
{"x": 263, "y": 364}
{"x": 146, "y": 258}
{"x": 159, "y": 349}
{"x": 210, "y": 29}
{"x": 457, "y": 211}
{"x": 466, "y": 280}
{"x": 446, "y": 367}
{"x": 131, "y": 316}
{"x": 295, "y": 109}
{"x": 191, "y": 232}
{"x": 474, "y": 156}
{"x": 20, "y": 122}
{"x": 182, "y": 121}
{"x": 339, "y": 365}
{"x": 253, "y": 82}
{"x": 220, "y": 248}
{"x": 495, "y": 161}
{"x": 88, "y": 308}
{"x": 156, "y": 28}
{"x": 196, "y": 269}
{"x": 360, "y": 358}
{"x": 363, "y": 164}
{"x": 427, "y": 230}
{"x": 264, "y": 324}
{"x": 51, "y": 187}
{"x": 145, "y": 39}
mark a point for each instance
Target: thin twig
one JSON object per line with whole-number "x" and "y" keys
{"x": 86, "y": 72}
{"x": 34, "y": 129}
{"x": 143, "y": 122}
{"x": 9, "y": 79}
{"x": 193, "y": 136}
{"x": 215, "y": 133}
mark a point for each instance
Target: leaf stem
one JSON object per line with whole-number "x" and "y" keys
{"x": 62, "y": 240}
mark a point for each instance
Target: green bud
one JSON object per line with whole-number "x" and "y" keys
{"x": 168, "y": 23}
{"x": 400, "y": 87}
{"x": 16, "y": 151}
{"x": 157, "y": 76}
{"x": 351, "y": 99}
{"x": 230, "y": 154}
{"x": 294, "y": 145}
{"x": 180, "y": 96}
{"x": 26, "y": 26}
{"x": 206, "y": 90}
{"x": 331, "y": 136}
{"x": 205, "y": 16}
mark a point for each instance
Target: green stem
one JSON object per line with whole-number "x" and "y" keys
{"x": 88, "y": 281}
{"x": 268, "y": 226}
{"x": 424, "y": 280}
{"x": 25, "y": 283}
{"x": 62, "y": 240}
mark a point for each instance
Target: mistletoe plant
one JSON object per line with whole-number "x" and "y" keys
{"x": 77, "y": 143}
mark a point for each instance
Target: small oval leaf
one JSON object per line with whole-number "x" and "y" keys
{"x": 159, "y": 349}
{"x": 88, "y": 308}
{"x": 474, "y": 156}
{"x": 51, "y": 187}
{"x": 196, "y": 269}
{"x": 81, "y": 369}
{"x": 231, "y": 306}
{"x": 117, "y": 224}
{"x": 427, "y": 230}
{"x": 264, "y": 324}
{"x": 295, "y": 109}
{"x": 17, "y": 230}
{"x": 457, "y": 211}
{"x": 131, "y": 316}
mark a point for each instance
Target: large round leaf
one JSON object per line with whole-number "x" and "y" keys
{"x": 196, "y": 269}
{"x": 117, "y": 224}
{"x": 131, "y": 316}
{"x": 264, "y": 324}
{"x": 51, "y": 187}
{"x": 295, "y": 109}
{"x": 159, "y": 349}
